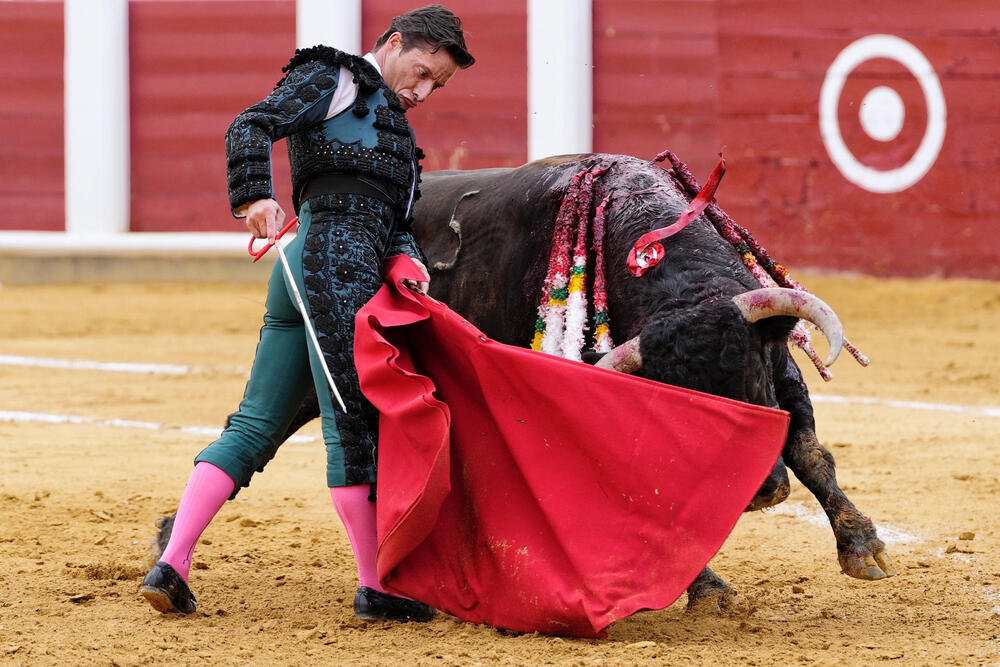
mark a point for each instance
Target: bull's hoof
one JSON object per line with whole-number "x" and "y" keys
{"x": 372, "y": 605}
{"x": 712, "y": 603}
{"x": 167, "y": 591}
{"x": 770, "y": 499}
{"x": 509, "y": 633}
{"x": 860, "y": 552}
{"x": 773, "y": 490}
{"x": 709, "y": 594}
{"x": 867, "y": 561}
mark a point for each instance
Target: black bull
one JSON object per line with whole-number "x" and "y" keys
{"x": 487, "y": 235}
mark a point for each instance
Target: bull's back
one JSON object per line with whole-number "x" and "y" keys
{"x": 486, "y": 234}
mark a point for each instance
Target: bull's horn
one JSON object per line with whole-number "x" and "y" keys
{"x": 774, "y": 301}
{"x": 623, "y": 358}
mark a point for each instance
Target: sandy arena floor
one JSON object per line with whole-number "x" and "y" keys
{"x": 915, "y": 437}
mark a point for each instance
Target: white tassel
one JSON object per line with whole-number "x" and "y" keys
{"x": 555, "y": 323}
{"x": 576, "y": 324}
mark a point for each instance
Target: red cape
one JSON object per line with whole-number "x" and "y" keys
{"x": 533, "y": 493}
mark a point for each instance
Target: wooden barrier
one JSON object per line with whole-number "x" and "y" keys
{"x": 743, "y": 77}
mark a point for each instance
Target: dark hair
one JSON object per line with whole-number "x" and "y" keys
{"x": 432, "y": 28}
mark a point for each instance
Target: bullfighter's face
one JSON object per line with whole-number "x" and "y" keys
{"x": 414, "y": 73}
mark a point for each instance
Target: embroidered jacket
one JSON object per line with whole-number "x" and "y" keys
{"x": 371, "y": 138}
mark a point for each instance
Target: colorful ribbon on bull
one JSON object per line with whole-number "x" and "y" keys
{"x": 562, "y": 313}
{"x": 647, "y": 251}
{"x": 767, "y": 272}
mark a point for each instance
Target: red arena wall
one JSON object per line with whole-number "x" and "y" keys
{"x": 746, "y": 78}
{"x": 31, "y": 116}
{"x": 480, "y": 118}
{"x": 742, "y": 76}
{"x": 194, "y": 66}
{"x": 787, "y": 185}
{"x": 655, "y": 69}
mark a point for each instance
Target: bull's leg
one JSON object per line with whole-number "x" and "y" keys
{"x": 708, "y": 592}
{"x": 860, "y": 552}
{"x": 165, "y": 524}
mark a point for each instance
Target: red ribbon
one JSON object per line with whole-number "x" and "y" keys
{"x": 647, "y": 252}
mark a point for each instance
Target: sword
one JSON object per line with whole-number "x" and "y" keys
{"x": 298, "y": 301}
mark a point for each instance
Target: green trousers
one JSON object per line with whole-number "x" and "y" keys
{"x": 336, "y": 260}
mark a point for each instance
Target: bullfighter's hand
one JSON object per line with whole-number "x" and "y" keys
{"x": 265, "y": 218}
{"x": 419, "y": 285}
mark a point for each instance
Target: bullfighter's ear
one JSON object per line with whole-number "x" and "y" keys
{"x": 775, "y": 328}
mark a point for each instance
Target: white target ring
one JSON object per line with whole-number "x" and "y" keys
{"x": 892, "y": 48}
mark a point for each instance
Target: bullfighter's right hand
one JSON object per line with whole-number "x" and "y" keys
{"x": 265, "y": 218}
{"x": 419, "y": 285}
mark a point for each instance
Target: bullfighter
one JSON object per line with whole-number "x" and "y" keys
{"x": 355, "y": 173}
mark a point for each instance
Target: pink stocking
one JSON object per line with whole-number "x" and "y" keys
{"x": 207, "y": 490}
{"x": 358, "y": 516}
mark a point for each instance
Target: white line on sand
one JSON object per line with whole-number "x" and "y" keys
{"x": 115, "y": 366}
{"x": 82, "y": 365}
{"x": 816, "y": 517}
{"x": 181, "y": 369}
{"x": 977, "y": 410}
{"x": 200, "y": 431}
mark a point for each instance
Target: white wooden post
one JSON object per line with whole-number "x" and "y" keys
{"x": 96, "y": 109}
{"x": 336, "y": 23}
{"x": 560, "y": 78}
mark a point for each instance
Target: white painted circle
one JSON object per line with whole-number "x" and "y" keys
{"x": 882, "y": 113}
{"x": 893, "y": 48}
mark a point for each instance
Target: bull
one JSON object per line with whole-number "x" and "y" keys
{"x": 688, "y": 321}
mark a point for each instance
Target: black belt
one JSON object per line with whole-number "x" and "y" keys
{"x": 351, "y": 184}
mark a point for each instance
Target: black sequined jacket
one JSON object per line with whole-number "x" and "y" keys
{"x": 372, "y": 138}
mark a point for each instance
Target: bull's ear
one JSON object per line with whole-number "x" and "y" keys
{"x": 443, "y": 248}
{"x": 775, "y": 328}
{"x": 591, "y": 357}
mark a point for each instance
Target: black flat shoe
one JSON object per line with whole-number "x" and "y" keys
{"x": 167, "y": 591}
{"x": 371, "y": 605}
